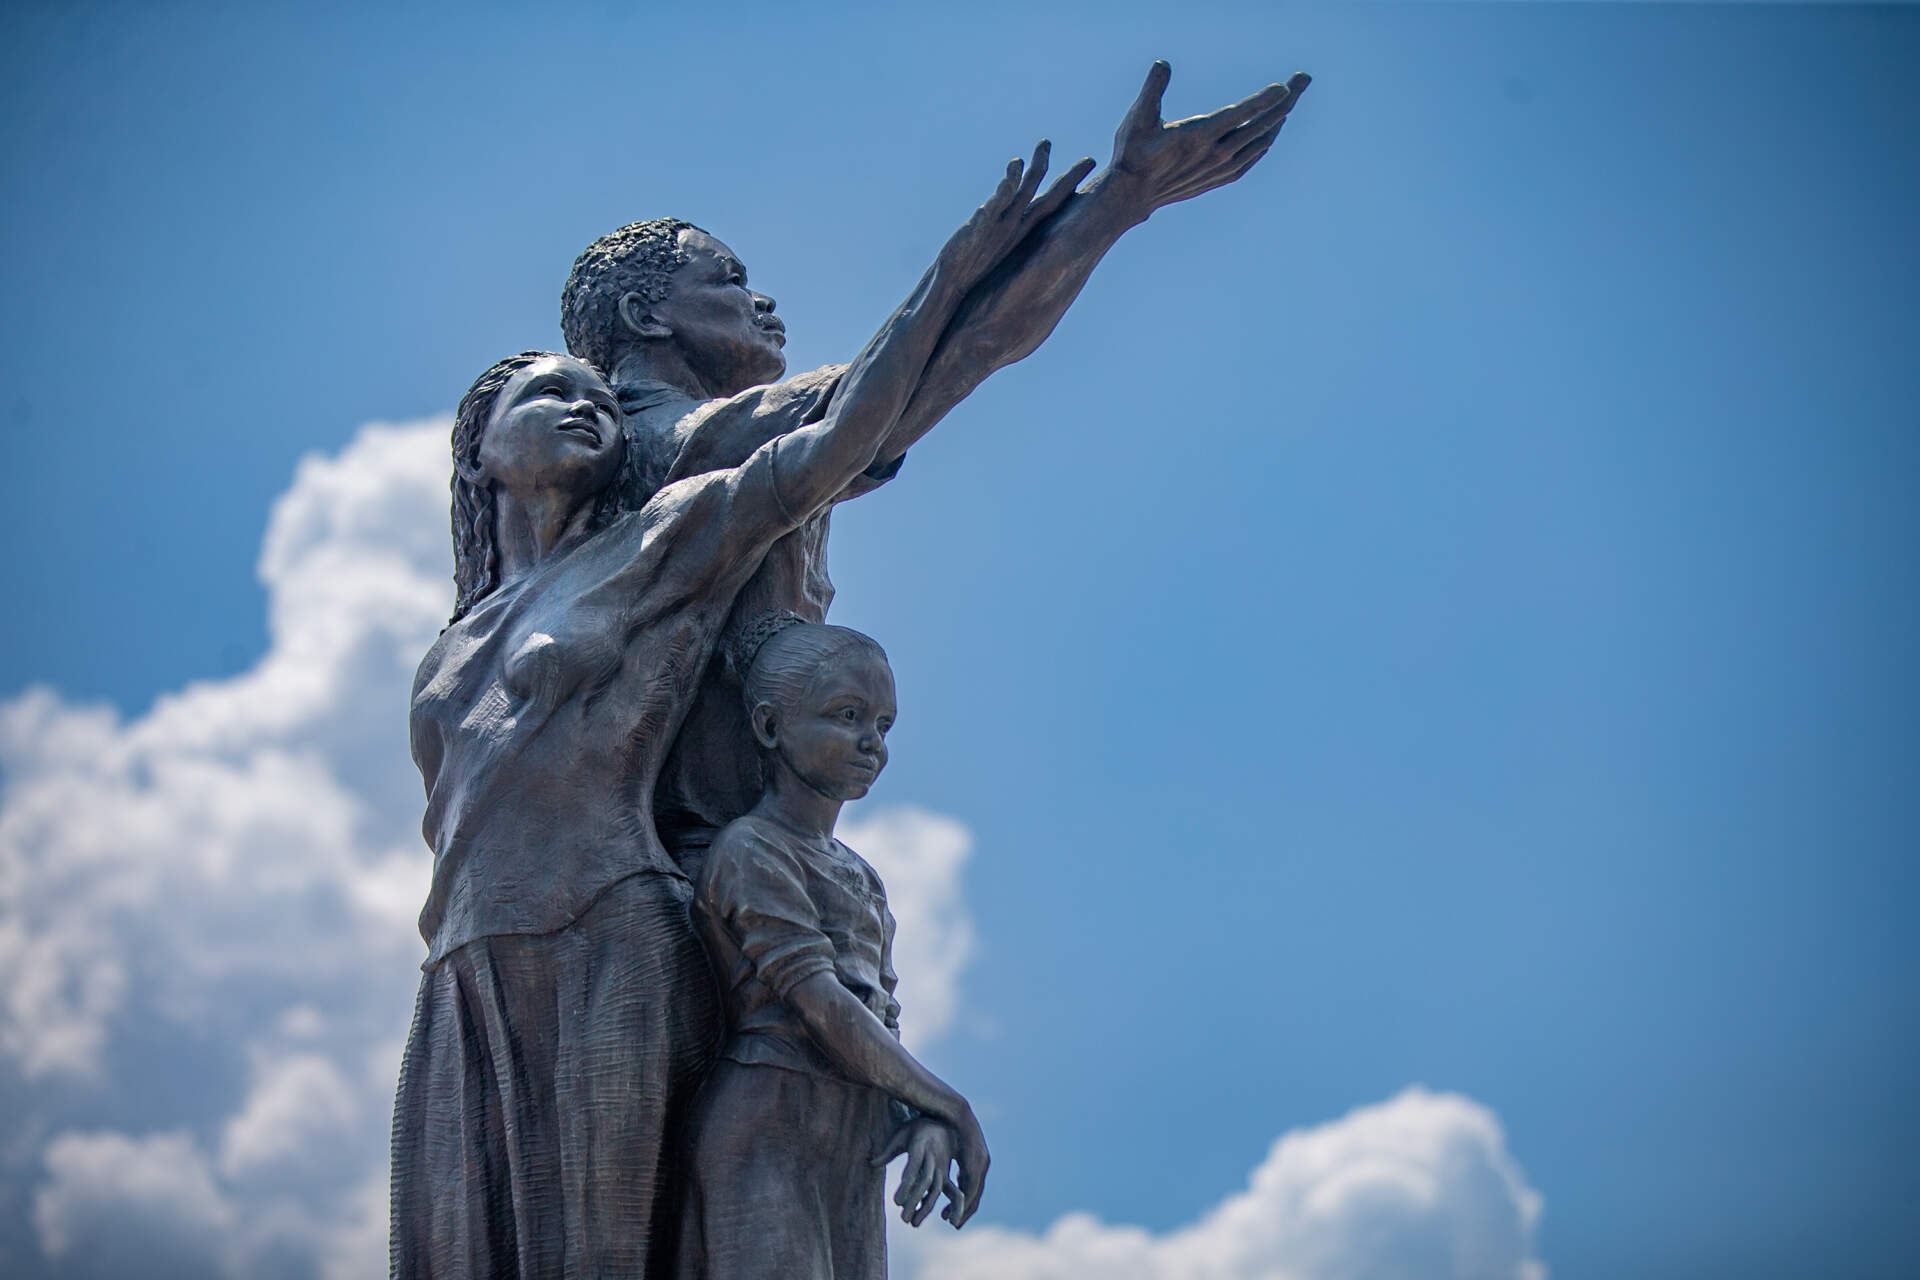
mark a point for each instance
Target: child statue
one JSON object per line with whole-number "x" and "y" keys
{"x": 813, "y": 1092}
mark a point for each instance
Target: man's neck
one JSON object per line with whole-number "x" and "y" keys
{"x": 661, "y": 363}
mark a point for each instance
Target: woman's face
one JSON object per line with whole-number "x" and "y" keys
{"x": 835, "y": 739}
{"x": 555, "y": 425}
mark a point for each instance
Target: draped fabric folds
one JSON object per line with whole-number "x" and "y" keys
{"x": 547, "y": 1070}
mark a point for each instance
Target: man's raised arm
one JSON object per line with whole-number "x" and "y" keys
{"x": 1011, "y": 312}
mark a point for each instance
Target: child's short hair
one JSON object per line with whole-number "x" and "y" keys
{"x": 778, "y": 655}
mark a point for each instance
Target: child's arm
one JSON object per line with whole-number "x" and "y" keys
{"x": 752, "y": 900}
{"x": 862, "y": 1047}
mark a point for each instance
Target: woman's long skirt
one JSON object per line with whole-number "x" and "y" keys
{"x": 782, "y": 1183}
{"x": 545, "y": 1079}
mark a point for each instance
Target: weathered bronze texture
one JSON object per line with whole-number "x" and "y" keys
{"x": 635, "y": 720}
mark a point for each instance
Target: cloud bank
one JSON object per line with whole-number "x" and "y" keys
{"x": 207, "y": 929}
{"x": 1417, "y": 1188}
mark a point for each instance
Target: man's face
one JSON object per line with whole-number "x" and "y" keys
{"x": 726, "y": 332}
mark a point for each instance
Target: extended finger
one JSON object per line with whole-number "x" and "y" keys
{"x": 1058, "y": 194}
{"x": 1036, "y": 170}
{"x": 1145, "y": 111}
{"x": 1003, "y": 194}
{"x": 1255, "y": 112}
{"x": 916, "y": 1163}
{"x": 1238, "y": 113}
{"x": 1263, "y": 122}
{"x": 929, "y": 1197}
{"x": 954, "y": 1198}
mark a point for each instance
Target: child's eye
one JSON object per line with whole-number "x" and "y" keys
{"x": 849, "y": 714}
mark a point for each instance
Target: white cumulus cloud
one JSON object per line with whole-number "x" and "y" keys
{"x": 207, "y": 913}
{"x": 1420, "y": 1187}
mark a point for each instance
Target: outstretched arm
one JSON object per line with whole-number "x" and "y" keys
{"x": 1155, "y": 164}
{"x": 816, "y": 462}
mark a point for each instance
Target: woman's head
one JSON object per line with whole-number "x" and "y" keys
{"x": 535, "y": 423}
{"x": 820, "y": 700}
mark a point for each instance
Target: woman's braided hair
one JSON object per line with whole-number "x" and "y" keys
{"x": 476, "y": 553}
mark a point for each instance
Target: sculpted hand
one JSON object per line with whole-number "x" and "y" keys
{"x": 1008, "y": 215}
{"x": 972, "y": 1159}
{"x": 930, "y": 1145}
{"x": 1166, "y": 163}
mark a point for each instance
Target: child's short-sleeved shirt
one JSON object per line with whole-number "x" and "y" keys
{"x": 774, "y": 910}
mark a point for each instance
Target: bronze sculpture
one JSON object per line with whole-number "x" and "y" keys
{"x": 581, "y": 733}
{"x": 781, "y": 1172}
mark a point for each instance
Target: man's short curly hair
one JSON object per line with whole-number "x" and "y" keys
{"x": 638, "y": 258}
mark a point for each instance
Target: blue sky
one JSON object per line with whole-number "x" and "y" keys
{"x": 1439, "y": 611}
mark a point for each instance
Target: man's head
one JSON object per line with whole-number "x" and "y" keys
{"x": 669, "y": 287}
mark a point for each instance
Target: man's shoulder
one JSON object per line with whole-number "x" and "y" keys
{"x": 802, "y": 393}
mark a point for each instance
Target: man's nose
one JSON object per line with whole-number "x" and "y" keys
{"x": 762, "y": 303}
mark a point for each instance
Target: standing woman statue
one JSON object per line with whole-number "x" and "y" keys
{"x": 566, "y": 1012}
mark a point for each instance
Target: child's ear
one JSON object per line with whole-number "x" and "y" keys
{"x": 761, "y": 718}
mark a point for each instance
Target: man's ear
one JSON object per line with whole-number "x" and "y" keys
{"x": 634, "y": 314}
{"x": 761, "y": 720}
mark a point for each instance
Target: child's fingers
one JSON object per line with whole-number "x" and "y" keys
{"x": 955, "y": 1199}
{"x": 912, "y": 1179}
{"x": 930, "y": 1197}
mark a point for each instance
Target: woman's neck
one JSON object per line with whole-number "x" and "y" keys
{"x": 530, "y": 527}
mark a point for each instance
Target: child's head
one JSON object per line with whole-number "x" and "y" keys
{"x": 820, "y": 700}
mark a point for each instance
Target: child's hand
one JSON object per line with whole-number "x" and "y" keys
{"x": 930, "y": 1146}
{"x": 972, "y": 1159}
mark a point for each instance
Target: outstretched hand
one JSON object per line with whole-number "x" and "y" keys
{"x": 1012, "y": 211}
{"x": 1167, "y": 163}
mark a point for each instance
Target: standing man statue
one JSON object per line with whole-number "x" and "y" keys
{"x": 693, "y": 354}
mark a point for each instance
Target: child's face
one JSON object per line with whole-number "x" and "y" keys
{"x": 835, "y": 739}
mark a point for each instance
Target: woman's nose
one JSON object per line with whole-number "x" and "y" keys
{"x": 762, "y": 303}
